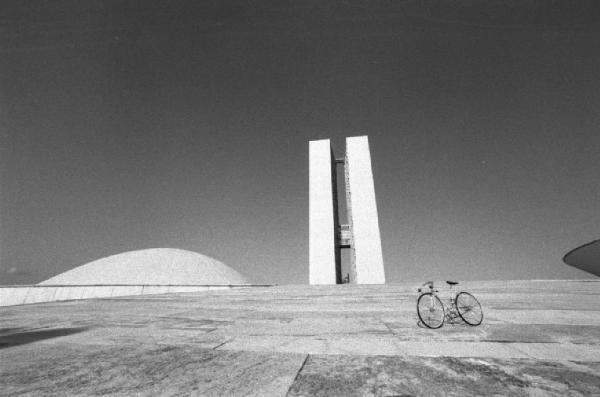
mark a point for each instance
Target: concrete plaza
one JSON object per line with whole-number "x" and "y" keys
{"x": 537, "y": 338}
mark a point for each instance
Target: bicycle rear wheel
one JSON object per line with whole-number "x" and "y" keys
{"x": 430, "y": 310}
{"x": 469, "y": 309}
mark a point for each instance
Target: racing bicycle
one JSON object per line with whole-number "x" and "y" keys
{"x": 433, "y": 312}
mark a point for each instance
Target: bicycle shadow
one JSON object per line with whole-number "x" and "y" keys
{"x": 423, "y": 326}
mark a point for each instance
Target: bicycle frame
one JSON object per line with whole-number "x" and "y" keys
{"x": 450, "y": 310}
{"x": 447, "y": 308}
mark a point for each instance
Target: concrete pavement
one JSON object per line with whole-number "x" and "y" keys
{"x": 537, "y": 337}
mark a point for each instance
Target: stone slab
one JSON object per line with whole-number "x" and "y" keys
{"x": 324, "y": 375}
{"x": 340, "y": 321}
{"x": 390, "y": 346}
{"x": 549, "y": 316}
{"x": 130, "y": 370}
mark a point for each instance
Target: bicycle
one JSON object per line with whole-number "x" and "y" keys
{"x": 433, "y": 312}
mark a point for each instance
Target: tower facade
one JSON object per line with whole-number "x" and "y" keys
{"x": 327, "y": 237}
{"x": 324, "y": 255}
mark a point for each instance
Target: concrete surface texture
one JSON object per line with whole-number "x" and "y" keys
{"x": 159, "y": 266}
{"x": 537, "y": 338}
{"x": 26, "y": 294}
{"x": 321, "y": 219}
{"x": 366, "y": 256}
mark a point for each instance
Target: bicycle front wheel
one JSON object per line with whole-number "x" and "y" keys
{"x": 430, "y": 310}
{"x": 469, "y": 309}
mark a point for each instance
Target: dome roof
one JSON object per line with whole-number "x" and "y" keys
{"x": 164, "y": 266}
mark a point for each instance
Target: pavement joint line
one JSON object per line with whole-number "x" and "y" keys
{"x": 221, "y": 344}
{"x": 512, "y": 341}
{"x": 513, "y": 346}
{"x": 297, "y": 374}
{"x": 388, "y": 327}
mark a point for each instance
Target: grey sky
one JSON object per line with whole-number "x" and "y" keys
{"x": 130, "y": 125}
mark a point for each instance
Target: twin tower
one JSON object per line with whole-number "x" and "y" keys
{"x": 327, "y": 236}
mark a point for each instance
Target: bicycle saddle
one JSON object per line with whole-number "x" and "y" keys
{"x": 452, "y": 282}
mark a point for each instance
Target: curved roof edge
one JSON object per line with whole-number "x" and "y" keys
{"x": 153, "y": 266}
{"x": 585, "y": 257}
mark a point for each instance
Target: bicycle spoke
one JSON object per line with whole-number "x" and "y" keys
{"x": 430, "y": 310}
{"x": 469, "y": 308}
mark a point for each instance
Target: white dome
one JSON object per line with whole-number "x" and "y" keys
{"x": 162, "y": 266}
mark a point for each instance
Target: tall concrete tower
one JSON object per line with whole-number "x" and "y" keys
{"x": 327, "y": 237}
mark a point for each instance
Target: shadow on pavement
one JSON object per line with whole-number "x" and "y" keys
{"x": 22, "y": 338}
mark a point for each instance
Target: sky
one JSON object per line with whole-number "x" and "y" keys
{"x": 136, "y": 124}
